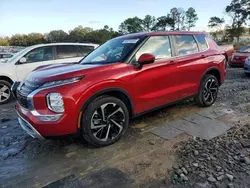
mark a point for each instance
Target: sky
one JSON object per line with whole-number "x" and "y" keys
{"x": 26, "y": 16}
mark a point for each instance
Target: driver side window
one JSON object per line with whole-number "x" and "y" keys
{"x": 159, "y": 46}
{"x": 39, "y": 54}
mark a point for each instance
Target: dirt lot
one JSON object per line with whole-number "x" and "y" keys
{"x": 140, "y": 159}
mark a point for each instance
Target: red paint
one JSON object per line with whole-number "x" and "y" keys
{"x": 239, "y": 58}
{"x": 146, "y": 58}
{"x": 153, "y": 85}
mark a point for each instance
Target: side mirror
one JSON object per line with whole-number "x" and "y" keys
{"x": 23, "y": 60}
{"x": 145, "y": 59}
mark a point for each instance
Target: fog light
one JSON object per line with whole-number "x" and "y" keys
{"x": 55, "y": 102}
{"x": 49, "y": 118}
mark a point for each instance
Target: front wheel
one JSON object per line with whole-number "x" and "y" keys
{"x": 104, "y": 121}
{"x": 208, "y": 91}
{"x": 5, "y": 92}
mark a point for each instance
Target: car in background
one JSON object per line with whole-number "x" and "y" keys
{"x": 247, "y": 67}
{"x": 124, "y": 78}
{"x": 30, "y": 58}
{"x": 5, "y": 56}
{"x": 240, "y": 56}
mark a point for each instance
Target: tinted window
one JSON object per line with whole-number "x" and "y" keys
{"x": 185, "y": 44}
{"x": 66, "y": 51}
{"x": 202, "y": 42}
{"x": 39, "y": 54}
{"x": 159, "y": 46}
{"x": 84, "y": 50}
{"x": 7, "y": 55}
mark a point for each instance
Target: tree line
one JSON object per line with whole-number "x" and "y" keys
{"x": 177, "y": 19}
{"x": 239, "y": 14}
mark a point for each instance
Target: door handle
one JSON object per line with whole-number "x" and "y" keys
{"x": 172, "y": 62}
{"x": 203, "y": 56}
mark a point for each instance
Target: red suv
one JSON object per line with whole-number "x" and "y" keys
{"x": 124, "y": 78}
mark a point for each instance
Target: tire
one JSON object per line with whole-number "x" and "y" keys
{"x": 208, "y": 93}
{"x": 93, "y": 117}
{"x": 5, "y": 92}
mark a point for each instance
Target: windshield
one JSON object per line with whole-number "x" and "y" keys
{"x": 245, "y": 49}
{"x": 18, "y": 54}
{"x": 116, "y": 50}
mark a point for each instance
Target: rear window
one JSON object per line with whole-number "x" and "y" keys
{"x": 66, "y": 51}
{"x": 185, "y": 44}
{"x": 84, "y": 50}
{"x": 202, "y": 42}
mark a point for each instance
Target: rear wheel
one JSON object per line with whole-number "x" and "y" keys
{"x": 208, "y": 91}
{"x": 104, "y": 121}
{"x": 5, "y": 92}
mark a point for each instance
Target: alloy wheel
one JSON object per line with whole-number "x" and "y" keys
{"x": 5, "y": 93}
{"x": 210, "y": 90}
{"x": 107, "y": 122}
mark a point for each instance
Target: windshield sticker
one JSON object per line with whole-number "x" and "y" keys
{"x": 130, "y": 41}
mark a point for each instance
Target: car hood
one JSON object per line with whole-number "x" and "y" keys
{"x": 59, "y": 72}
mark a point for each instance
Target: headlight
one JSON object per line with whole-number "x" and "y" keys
{"x": 61, "y": 82}
{"x": 55, "y": 102}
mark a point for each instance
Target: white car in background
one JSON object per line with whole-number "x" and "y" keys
{"x": 28, "y": 59}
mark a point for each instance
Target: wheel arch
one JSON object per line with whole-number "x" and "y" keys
{"x": 214, "y": 71}
{"x": 6, "y": 78}
{"x": 115, "y": 92}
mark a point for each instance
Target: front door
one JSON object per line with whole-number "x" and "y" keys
{"x": 34, "y": 58}
{"x": 155, "y": 84}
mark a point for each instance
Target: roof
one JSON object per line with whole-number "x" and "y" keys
{"x": 66, "y": 43}
{"x": 134, "y": 35}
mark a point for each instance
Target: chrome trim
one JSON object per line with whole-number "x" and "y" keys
{"x": 38, "y": 115}
{"x": 30, "y": 130}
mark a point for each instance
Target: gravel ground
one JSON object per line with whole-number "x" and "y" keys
{"x": 223, "y": 162}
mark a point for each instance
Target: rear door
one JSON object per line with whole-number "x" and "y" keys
{"x": 192, "y": 60}
{"x": 66, "y": 54}
{"x": 37, "y": 57}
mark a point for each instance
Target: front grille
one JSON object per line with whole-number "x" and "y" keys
{"x": 22, "y": 100}
{"x": 24, "y": 90}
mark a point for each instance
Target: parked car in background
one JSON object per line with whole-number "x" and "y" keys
{"x": 240, "y": 56}
{"x": 125, "y": 77}
{"x": 5, "y": 56}
{"x": 28, "y": 59}
{"x": 247, "y": 66}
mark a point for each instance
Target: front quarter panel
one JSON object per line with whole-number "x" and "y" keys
{"x": 114, "y": 77}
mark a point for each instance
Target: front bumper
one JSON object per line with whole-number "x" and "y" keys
{"x": 28, "y": 128}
